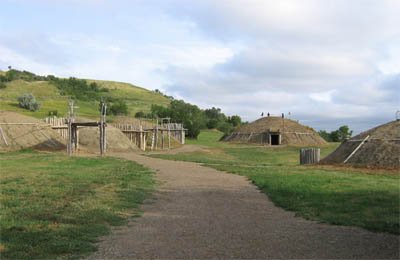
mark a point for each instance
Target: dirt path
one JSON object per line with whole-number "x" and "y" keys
{"x": 203, "y": 213}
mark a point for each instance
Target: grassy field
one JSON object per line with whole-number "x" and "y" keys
{"x": 137, "y": 99}
{"x": 336, "y": 195}
{"x": 54, "y": 206}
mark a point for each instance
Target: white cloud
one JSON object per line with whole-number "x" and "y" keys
{"x": 327, "y": 62}
{"x": 322, "y": 96}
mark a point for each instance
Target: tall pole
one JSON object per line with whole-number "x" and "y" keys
{"x": 70, "y": 131}
{"x": 102, "y": 127}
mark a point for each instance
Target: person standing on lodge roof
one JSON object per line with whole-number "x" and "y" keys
{"x": 283, "y": 115}
{"x": 262, "y": 114}
{"x": 268, "y": 114}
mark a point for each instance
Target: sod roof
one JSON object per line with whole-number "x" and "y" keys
{"x": 292, "y": 132}
{"x": 381, "y": 149}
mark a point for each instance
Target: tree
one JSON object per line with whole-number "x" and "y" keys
{"x": 235, "y": 120}
{"x": 190, "y": 115}
{"x": 158, "y": 111}
{"x": 214, "y": 117}
{"x": 119, "y": 108}
{"x": 325, "y": 135}
{"x": 344, "y": 133}
{"x": 338, "y": 135}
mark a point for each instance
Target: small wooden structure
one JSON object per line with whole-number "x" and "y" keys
{"x": 73, "y": 127}
{"x": 310, "y": 155}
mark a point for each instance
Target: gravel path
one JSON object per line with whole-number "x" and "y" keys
{"x": 202, "y": 213}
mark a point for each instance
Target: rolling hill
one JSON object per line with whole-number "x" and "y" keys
{"x": 50, "y": 98}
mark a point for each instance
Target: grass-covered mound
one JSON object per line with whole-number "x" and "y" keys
{"x": 292, "y": 132}
{"x": 381, "y": 149}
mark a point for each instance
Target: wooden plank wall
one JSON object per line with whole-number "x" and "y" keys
{"x": 309, "y": 155}
{"x": 58, "y": 124}
{"x": 139, "y": 136}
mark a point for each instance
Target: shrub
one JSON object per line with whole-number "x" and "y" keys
{"x": 53, "y": 113}
{"x": 119, "y": 108}
{"x": 2, "y": 85}
{"x": 28, "y": 101}
{"x": 140, "y": 114}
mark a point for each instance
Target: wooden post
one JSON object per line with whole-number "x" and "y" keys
{"x": 162, "y": 139}
{"x": 182, "y": 135}
{"x": 101, "y": 138}
{"x": 141, "y": 139}
{"x": 69, "y": 143}
{"x": 152, "y": 139}
{"x": 75, "y": 138}
{"x": 169, "y": 137}
{"x": 144, "y": 141}
{"x": 102, "y": 129}
{"x": 156, "y": 136}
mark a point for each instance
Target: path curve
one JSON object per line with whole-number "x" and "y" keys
{"x": 200, "y": 212}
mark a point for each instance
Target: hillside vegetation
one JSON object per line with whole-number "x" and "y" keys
{"x": 41, "y": 96}
{"x": 52, "y": 98}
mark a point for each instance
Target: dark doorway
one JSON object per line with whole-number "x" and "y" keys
{"x": 274, "y": 139}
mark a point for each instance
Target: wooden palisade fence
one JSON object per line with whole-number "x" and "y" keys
{"x": 158, "y": 137}
{"x": 135, "y": 134}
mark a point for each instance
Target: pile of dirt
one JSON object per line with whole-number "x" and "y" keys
{"x": 290, "y": 131}
{"x": 381, "y": 149}
{"x": 116, "y": 141}
{"x": 21, "y": 132}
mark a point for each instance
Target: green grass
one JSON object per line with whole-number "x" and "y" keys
{"x": 337, "y": 195}
{"x": 137, "y": 99}
{"x": 56, "y": 206}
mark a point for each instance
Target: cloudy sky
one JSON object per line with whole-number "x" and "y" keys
{"x": 327, "y": 62}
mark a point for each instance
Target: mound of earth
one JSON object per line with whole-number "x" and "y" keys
{"x": 116, "y": 141}
{"x": 381, "y": 148}
{"x": 20, "y": 132}
{"x": 274, "y": 131}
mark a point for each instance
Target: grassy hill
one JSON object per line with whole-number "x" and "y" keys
{"x": 137, "y": 98}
